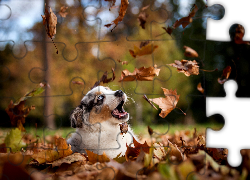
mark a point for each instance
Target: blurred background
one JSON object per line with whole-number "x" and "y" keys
{"x": 87, "y": 49}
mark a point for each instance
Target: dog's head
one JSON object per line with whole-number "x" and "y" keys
{"x": 98, "y": 105}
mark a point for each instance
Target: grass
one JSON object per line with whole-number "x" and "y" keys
{"x": 140, "y": 130}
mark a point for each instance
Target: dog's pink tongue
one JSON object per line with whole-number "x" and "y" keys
{"x": 120, "y": 114}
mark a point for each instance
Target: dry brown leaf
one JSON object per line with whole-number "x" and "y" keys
{"x": 186, "y": 20}
{"x": 112, "y": 2}
{"x": 186, "y": 67}
{"x": 200, "y": 88}
{"x": 189, "y": 52}
{"x": 133, "y": 152}
{"x": 124, "y": 127}
{"x": 168, "y": 30}
{"x": 50, "y": 21}
{"x": 69, "y": 159}
{"x": 168, "y": 103}
{"x": 141, "y": 74}
{"x": 174, "y": 151}
{"x": 104, "y": 79}
{"x": 63, "y": 12}
{"x": 18, "y": 111}
{"x": 225, "y": 75}
{"x": 93, "y": 158}
{"x": 142, "y": 17}
{"x": 123, "y": 62}
{"x": 50, "y": 155}
{"x": 78, "y": 82}
{"x": 145, "y": 48}
{"x": 122, "y": 12}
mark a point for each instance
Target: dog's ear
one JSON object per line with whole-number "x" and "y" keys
{"x": 76, "y": 118}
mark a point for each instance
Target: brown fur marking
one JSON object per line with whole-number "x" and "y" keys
{"x": 98, "y": 117}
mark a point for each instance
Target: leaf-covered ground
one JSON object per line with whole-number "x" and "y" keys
{"x": 169, "y": 156}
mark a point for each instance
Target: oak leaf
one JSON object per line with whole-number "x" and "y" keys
{"x": 225, "y": 75}
{"x": 145, "y": 48}
{"x": 122, "y": 12}
{"x": 93, "y": 158}
{"x": 200, "y": 88}
{"x": 189, "y": 52}
{"x": 141, "y": 74}
{"x": 142, "y": 17}
{"x": 186, "y": 20}
{"x": 62, "y": 150}
{"x": 186, "y": 67}
{"x": 63, "y": 12}
{"x": 168, "y": 103}
{"x": 104, "y": 79}
{"x": 133, "y": 152}
{"x": 18, "y": 111}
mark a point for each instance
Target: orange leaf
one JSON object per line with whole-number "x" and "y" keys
{"x": 141, "y": 74}
{"x": 186, "y": 67}
{"x": 189, "y": 52}
{"x": 122, "y": 12}
{"x": 186, "y": 20}
{"x": 50, "y": 155}
{"x": 168, "y": 103}
{"x": 63, "y": 12}
{"x": 93, "y": 158}
{"x": 145, "y": 49}
{"x": 225, "y": 75}
{"x": 200, "y": 88}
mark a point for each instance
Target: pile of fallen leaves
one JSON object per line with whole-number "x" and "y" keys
{"x": 178, "y": 156}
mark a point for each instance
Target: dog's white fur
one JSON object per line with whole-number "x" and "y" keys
{"x": 96, "y": 129}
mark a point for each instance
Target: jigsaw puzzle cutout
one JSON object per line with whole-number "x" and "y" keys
{"x": 71, "y": 53}
{"x": 229, "y": 107}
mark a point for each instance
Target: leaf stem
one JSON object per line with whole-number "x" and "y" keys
{"x": 181, "y": 110}
{"x": 209, "y": 70}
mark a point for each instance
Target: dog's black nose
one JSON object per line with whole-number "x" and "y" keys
{"x": 119, "y": 93}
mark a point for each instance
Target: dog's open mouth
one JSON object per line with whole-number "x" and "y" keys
{"x": 119, "y": 112}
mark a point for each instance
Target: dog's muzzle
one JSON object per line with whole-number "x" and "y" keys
{"x": 119, "y": 112}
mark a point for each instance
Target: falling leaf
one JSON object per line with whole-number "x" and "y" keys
{"x": 141, "y": 74}
{"x": 123, "y": 62}
{"x": 168, "y": 30}
{"x": 186, "y": 20}
{"x": 145, "y": 97}
{"x": 50, "y": 21}
{"x": 93, "y": 158}
{"x": 186, "y": 67}
{"x": 225, "y": 75}
{"x": 122, "y": 12}
{"x": 142, "y": 17}
{"x": 63, "y": 12}
{"x": 104, "y": 79}
{"x": 200, "y": 88}
{"x": 18, "y": 111}
{"x": 78, "y": 82}
{"x": 14, "y": 140}
{"x": 112, "y": 2}
{"x": 145, "y": 49}
{"x": 189, "y": 52}
{"x": 168, "y": 103}
{"x": 49, "y": 155}
{"x": 124, "y": 127}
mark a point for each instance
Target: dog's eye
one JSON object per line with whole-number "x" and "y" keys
{"x": 101, "y": 97}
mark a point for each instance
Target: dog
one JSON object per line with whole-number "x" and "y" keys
{"x": 97, "y": 120}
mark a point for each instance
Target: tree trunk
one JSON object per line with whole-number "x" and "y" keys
{"x": 48, "y": 106}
